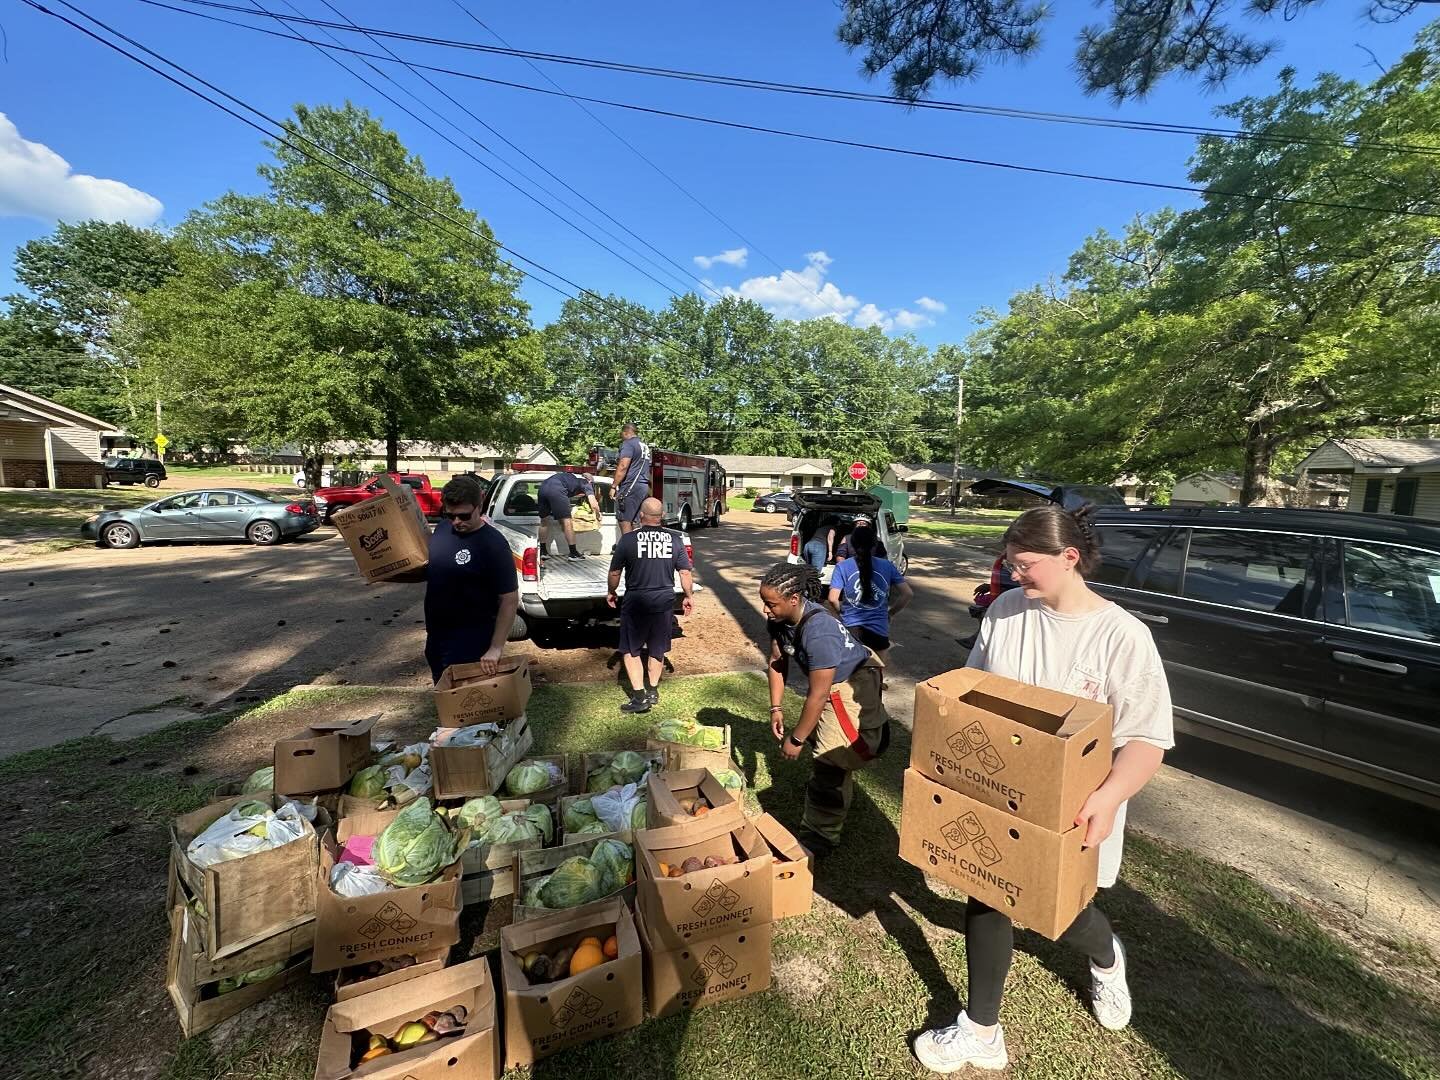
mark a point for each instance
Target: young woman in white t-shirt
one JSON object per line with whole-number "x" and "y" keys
{"x": 1056, "y": 632}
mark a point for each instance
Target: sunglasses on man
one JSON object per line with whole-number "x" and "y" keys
{"x": 451, "y": 515}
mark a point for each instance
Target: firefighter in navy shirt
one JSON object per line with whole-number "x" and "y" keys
{"x": 649, "y": 558}
{"x": 471, "y": 591}
{"x": 843, "y": 720}
{"x": 557, "y": 492}
{"x": 632, "y": 477}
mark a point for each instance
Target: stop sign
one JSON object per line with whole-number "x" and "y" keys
{"x": 858, "y": 471}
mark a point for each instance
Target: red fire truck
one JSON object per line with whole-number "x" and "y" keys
{"x": 691, "y": 487}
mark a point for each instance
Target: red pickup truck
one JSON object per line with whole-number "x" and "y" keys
{"x": 330, "y": 499}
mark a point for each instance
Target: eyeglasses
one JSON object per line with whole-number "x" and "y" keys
{"x": 1025, "y": 568}
{"x": 447, "y": 515}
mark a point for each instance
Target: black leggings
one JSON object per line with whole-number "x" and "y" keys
{"x": 990, "y": 941}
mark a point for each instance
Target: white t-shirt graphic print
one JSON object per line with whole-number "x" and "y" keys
{"x": 1104, "y": 655}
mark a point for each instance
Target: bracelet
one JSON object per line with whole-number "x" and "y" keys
{"x": 777, "y": 708}
{"x": 797, "y": 743}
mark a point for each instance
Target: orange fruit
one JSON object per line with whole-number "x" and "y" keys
{"x": 664, "y": 869}
{"x": 589, "y": 941}
{"x": 586, "y": 957}
{"x": 612, "y": 947}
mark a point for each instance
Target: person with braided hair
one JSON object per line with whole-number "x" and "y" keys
{"x": 1055, "y": 632}
{"x": 843, "y": 720}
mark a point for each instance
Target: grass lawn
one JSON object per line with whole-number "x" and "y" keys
{"x": 739, "y": 504}
{"x": 1229, "y": 981}
{"x": 938, "y": 530}
{"x": 45, "y": 521}
{"x": 229, "y": 474}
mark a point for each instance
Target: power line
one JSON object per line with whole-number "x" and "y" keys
{"x": 801, "y": 89}
{"x": 859, "y": 145}
{"x": 493, "y": 171}
{"x": 490, "y": 128}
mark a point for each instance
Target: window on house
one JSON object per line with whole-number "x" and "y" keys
{"x": 1372, "y": 496}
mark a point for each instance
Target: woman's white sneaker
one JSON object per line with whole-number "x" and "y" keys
{"x": 950, "y": 1049}
{"x": 1110, "y": 993}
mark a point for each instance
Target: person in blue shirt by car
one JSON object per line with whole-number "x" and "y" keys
{"x": 556, "y": 495}
{"x": 471, "y": 591}
{"x": 843, "y": 720}
{"x": 866, "y": 590}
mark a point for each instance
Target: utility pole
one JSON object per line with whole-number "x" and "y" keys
{"x": 159, "y": 433}
{"x": 959, "y": 420}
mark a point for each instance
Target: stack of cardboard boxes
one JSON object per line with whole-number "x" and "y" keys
{"x": 998, "y": 771}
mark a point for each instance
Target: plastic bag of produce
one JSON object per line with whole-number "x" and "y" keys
{"x": 539, "y": 814}
{"x": 416, "y": 783}
{"x": 574, "y": 882}
{"x": 578, "y": 814}
{"x": 474, "y": 735}
{"x": 615, "y": 806}
{"x": 244, "y": 829}
{"x": 259, "y": 781}
{"x": 531, "y": 776}
{"x": 617, "y": 859}
{"x": 347, "y": 879}
{"x": 416, "y": 846}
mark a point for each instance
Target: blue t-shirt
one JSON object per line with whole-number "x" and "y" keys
{"x": 823, "y": 643}
{"x": 466, "y": 577}
{"x": 853, "y": 609}
{"x": 649, "y": 556}
{"x": 571, "y": 483}
{"x": 637, "y": 473}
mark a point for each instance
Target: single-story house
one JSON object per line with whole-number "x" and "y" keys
{"x": 1381, "y": 476}
{"x": 1207, "y": 489}
{"x": 46, "y": 444}
{"x": 1223, "y": 489}
{"x": 426, "y": 457}
{"x": 774, "y": 473}
{"x": 922, "y": 481}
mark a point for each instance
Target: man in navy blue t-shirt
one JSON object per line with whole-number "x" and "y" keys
{"x": 649, "y": 558}
{"x": 632, "y": 478}
{"x": 556, "y": 495}
{"x": 471, "y": 591}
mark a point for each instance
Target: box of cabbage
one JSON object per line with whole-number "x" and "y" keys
{"x": 573, "y": 875}
{"x": 691, "y": 745}
{"x": 498, "y": 831}
{"x": 419, "y": 907}
{"x": 462, "y": 772}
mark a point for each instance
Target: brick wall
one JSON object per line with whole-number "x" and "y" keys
{"x": 21, "y": 472}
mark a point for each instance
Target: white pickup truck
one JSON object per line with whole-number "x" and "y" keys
{"x": 566, "y": 590}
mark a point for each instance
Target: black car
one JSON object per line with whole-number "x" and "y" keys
{"x": 777, "y": 502}
{"x": 128, "y": 470}
{"x": 1070, "y": 496}
{"x": 1308, "y": 635}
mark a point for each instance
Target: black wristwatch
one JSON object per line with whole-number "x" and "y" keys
{"x": 793, "y": 741}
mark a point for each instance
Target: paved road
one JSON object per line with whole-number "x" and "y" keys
{"x": 86, "y": 637}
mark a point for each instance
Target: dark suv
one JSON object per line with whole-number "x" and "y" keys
{"x": 1309, "y": 635}
{"x": 129, "y": 470}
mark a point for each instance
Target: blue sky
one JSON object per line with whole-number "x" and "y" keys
{"x": 906, "y": 243}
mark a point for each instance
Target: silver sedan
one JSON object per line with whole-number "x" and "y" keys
{"x": 219, "y": 514}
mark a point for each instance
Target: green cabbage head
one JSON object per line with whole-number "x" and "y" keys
{"x": 578, "y": 814}
{"x": 258, "y": 781}
{"x": 540, "y": 816}
{"x": 368, "y": 783}
{"x": 474, "y": 813}
{"x": 511, "y": 829}
{"x": 629, "y": 767}
{"x": 575, "y": 881}
{"x": 415, "y": 847}
{"x": 527, "y": 778}
{"x": 617, "y": 859}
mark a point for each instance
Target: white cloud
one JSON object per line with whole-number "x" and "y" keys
{"x": 935, "y": 307}
{"x": 733, "y": 257}
{"x": 806, "y": 294}
{"x": 36, "y": 182}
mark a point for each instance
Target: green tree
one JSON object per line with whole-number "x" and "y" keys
{"x": 1143, "y": 41}
{"x": 320, "y": 311}
{"x": 37, "y": 356}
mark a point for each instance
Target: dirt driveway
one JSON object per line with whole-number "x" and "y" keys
{"x": 123, "y": 642}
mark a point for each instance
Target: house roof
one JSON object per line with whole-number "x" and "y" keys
{"x": 744, "y": 465}
{"x": 1390, "y": 453}
{"x": 33, "y": 405}
{"x": 940, "y": 470}
{"x": 437, "y": 450}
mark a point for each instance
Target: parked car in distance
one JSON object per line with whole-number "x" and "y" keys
{"x": 128, "y": 470}
{"x": 1307, "y": 636}
{"x": 328, "y": 500}
{"x": 816, "y": 505}
{"x": 1070, "y": 496}
{"x": 215, "y": 514}
{"x": 774, "y": 503}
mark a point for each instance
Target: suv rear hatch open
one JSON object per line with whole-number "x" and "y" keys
{"x": 836, "y": 500}
{"x": 1070, "y": 496}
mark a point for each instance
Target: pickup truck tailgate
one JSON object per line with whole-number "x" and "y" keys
{"x": 573, "y": 579}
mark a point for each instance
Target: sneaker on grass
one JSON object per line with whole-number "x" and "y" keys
{"x": 638, "y": 703}
{"x": 950, "y": 1049}
{"x": 1110, "y": 993}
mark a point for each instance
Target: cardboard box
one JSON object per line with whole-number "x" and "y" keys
{"x": 706, "y": 973}
{"x": 706, "y": 903}
{"x": 473, "y": 1054}
{"x": 1035, "y": 753}
{"x": 596, "y": 760}
{"x": 794, "y": 891}
{"x": 193, "y": 980}
{"x": 666, "y": 789}
{"x": 425, "y": 963}
{"x": 530, "y": 865}
{"x": 397, "y": 922}
{"x": 489, "y": 869}
{"x": 241, "y": 902}
{"x": 464, "y": 696}
{"x": 679, "y": 756}
{"x": 323, "y": 757}
{"x": 1041, "y": 879}
{"x": 545, "y": 1017}
{"x": 387, "y": 534}
{"x": 469, "y": 772}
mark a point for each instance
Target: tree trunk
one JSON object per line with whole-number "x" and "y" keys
{"x": 392, "y": 441}
{"x": 1255, "y": 485}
